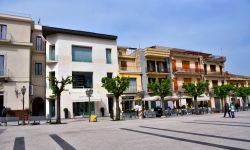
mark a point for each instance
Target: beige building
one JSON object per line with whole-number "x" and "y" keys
{"x": 38, "y": 72}
{"x": 15, "y": 47}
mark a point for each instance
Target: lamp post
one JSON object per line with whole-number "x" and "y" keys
{"x": 23, "y": 90}
{"x": 89, "y": 93}
{"x": 141, "y": 95}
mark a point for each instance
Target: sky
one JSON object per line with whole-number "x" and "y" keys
{"x": 220, "y": 27}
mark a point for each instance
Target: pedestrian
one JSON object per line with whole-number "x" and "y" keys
{"x": 4, "y": 112}
{"x": 232, "y": 110}
{"x": 237, "y": 107}
{"x": 226, "y": 110}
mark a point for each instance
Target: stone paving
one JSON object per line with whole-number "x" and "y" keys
{"x": 210, "y": 131}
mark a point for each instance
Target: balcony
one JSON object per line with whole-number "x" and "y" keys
{"x": 4, "y": 75}
{"x": 52, "y": 59}
{"x": 215, "y": 74}
{"x": 131, "y": 89}
{"x": 130, "y": 69}
{"x": 190, "y": 71}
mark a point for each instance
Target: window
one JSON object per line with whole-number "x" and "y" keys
{"x": 132, "y": 86}
{"x": 108, "y": 56}
{"x": 1, "y": 65}
{"x": 212, "y": 68}
{"x": 151, "y": 80}
{"x": 3, "y": 32}
{"x": 187, "y": 80}
{"x": 151, "y": 66}
{"x": 38, "y": 43}
{"x": 185, "y": 65}
{"x": 175, "y": 85}
{"x": 52, "y": 51}
{"x": 162, "y": 66}
{"x": 38, "y": 68}
{"x": 51, "y": 75}
{"x": 214, "y": 83}
{"x": 109, "y": 74}
{"x": 123, "y": 65}
{"x": 82, "y": 79}
{"x": 81, "y": 54}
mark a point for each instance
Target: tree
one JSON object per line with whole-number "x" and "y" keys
{"x": 195, "y": 90}
{"x": 242, "y": 92}
{"x": 222, "y": 92}
{"x": 161, "y": 89}
{"x": 116, "y": 86}
{"x": 57, "y": 88}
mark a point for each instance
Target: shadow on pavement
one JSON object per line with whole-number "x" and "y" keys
{"x": 222, "y": 124}
{"x": 19, "y": 143}
{"x": 184, "y": 140}
{"x": 64, "y": 145}
{"x": 199, "y": 134}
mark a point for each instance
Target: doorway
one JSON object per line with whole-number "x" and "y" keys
{"x": 52, "y": 107}
{"x": 38, "y": 107}
{"x": 1, "y": 104}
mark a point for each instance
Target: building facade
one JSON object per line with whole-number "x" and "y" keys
{"x": 129, "y": 66}
{"x": 15, "y": 52}
{"x": 85, "y": 56}
{"x": 155, "y": 62}
{"x": 38, "y": 72}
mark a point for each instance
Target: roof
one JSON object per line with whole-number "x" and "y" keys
{"x": 239, "y": 76}
{"x": 178, "y": 50}
{"x": 53, "y": 30}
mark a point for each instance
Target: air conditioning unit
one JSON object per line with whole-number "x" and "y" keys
{"x": 31, "y": 90}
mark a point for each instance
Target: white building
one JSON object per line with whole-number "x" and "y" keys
{"x": 85, "y": 56}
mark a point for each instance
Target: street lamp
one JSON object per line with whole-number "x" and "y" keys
{"x": 89, "y": 93}
{"x": 141, "y": 95}
{"x": 23, "y": 90}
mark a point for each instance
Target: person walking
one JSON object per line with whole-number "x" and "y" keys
{"x": 4, "y": 112}
{"x": 232, "y": 110}
{"x": 226, "y": 110}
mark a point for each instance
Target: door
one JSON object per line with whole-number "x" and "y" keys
{"x": 1, "y": 104}
{"x": 52, "y": 108}
{"x": 205, "y": 69}
{"x": 174, "y": 65}
{"x": 217, "y": 104}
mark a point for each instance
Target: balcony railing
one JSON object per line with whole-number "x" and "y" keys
{"x": 131, "y": 89}
{"x": 130, "y": 69}
{"x": 214, "y": 73}
{"x": 159, "y": 70}
{"x": 52, "y": 58}
{"x": 188, "y": 71}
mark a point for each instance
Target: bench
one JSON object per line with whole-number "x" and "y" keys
{"x": 36, "y": 119}
{"x": 128, "y": 115}
{"x": 10, "y": 119}
{"x": 149, "y": 114}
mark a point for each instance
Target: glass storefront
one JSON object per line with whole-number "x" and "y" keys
{"x": 82, "y": 108}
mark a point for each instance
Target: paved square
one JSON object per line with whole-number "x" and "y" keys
{"x": 188, "y": 132}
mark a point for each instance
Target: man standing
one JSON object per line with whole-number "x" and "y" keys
{"x": 226, "y": 110}
{"x": 4, "y": 112}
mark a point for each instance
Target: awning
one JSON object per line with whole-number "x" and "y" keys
{"x": 203, "y": 97}
{"x": 172, "y": 98}
{"x": 152, "y": 98}
{"x": 81, "y": 97}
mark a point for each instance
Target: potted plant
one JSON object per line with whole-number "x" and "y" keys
{"x": 66, "y": 113}
{"x": 102, "y": 111}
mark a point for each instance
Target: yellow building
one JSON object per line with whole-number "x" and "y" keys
{"x": 129, "y": 66}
